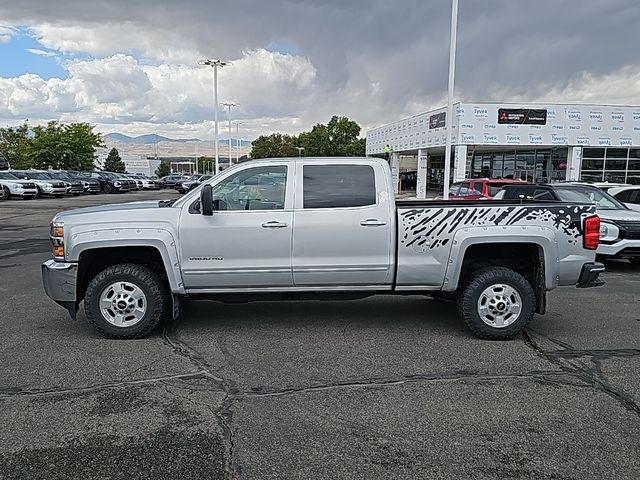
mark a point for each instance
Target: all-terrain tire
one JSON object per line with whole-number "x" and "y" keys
{"x": 108, "y": 188}
{"x": 147, "y": 280}
{"x": 6, "y": 193}
{"x": 491, "y": 279}
{"x": 635, "y": 261}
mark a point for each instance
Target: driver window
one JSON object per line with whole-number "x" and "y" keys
{"x": 260, "y": 188}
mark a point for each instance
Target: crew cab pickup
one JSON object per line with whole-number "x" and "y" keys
{"x": 317, "y": 228}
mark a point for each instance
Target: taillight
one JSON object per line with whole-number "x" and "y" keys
{"x": 591, "y": 233}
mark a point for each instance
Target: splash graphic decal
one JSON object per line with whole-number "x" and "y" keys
{"x": 433, "y": 227}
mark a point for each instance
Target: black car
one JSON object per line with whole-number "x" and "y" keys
{"x": 89, "y": 185}
{"x": 170, "y": 181}
{"x": 74, "y": 186}
{"x": 110, "y": 182}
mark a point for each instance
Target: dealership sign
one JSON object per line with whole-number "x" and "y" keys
{"x": 525, "y": 116}
{"x": 437, "y": 120}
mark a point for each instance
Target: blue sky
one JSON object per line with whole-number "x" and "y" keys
{"x": 18, "y": 57}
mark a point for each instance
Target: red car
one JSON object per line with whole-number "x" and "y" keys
{"x": 479, "y": 188}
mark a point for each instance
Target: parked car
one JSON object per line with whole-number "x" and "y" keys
{"x": 137, "y": 183}
{"x": 45, "y": 185}
{"x": 109, "y": 182}
{"x": 146, "y": 183}
{"x": 170, "y": 180}
{"x": 89, "y": 185}
{"x": 479, "y": 188}
{"x": 620, "y": 227}
{"x": 75, "y": 186}
{"x": 12, "y": 186}
{"x": 629, "y": 195}
{"x": 192, "y": 183}
{"x": 317, "y": 227}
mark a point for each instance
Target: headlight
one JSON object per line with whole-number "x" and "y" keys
{"x": 609, "y": 232}
{"x": 116, "y": 184}
{"x": 57, "y": 240}
{"x": 19, "y": 185}
{"x": 47, "y": 186}
{"x": 85, "y": 184}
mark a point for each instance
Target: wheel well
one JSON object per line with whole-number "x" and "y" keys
{"x": 93, "y": 261}
{"x": 525, "y": 258}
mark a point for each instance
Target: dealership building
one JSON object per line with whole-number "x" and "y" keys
{"x": 535, "y": 142}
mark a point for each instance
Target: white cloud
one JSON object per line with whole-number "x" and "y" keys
{"x": 272, "y": 89}
{"x": 41, "y": 53}
{"x": 7, "y": 33}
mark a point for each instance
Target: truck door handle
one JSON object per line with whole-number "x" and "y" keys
{"x": 372, "y": 222}
{"x": 274, "y": 224}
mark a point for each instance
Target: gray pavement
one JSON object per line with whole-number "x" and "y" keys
{"x": 387, "y": 387}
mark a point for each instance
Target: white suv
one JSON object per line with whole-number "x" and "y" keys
{"x": 12, "y": 186}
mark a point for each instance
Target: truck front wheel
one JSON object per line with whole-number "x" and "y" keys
{"x": 497, "y": 303}
{"x": 125, "y": 301}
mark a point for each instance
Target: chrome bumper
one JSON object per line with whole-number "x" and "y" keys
{"x": 59, "y": 281}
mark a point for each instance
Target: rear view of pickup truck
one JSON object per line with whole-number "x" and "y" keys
{"x": 317, "y": 228}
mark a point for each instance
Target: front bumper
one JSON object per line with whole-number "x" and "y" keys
{"x": 59, "y": 280}
{"x": 54, "y": 191}
{"x": 589, "y": 275}
{"x": 622, "y": 249}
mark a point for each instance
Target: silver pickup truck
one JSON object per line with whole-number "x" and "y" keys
{"x": 317, "y": 228}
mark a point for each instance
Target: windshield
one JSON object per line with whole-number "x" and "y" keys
{"x": 7, "y": 176}
{"x": 603, "y": 200}
{"x": 39, "y": 175}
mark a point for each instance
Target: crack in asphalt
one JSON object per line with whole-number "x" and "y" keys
{"x": 542, "y": 375}
{"x": 569, "y": 361}
{"x": 223, "y": 412}
{"x": 6, "y": 392}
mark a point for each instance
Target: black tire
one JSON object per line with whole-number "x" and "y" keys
{"x": 58, "y": 196}
{"x": 108, "y": 188}
{"x": 6, "y": 193}
{"x": 635, "y": 261}
{"x": 146, "y": 280}
{"x": 468, "y": 308}
{"x": 39, "y": 193}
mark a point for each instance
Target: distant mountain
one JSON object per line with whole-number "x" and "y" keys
{"x": 151, "y": 138}
{"x": 148, "y": 139}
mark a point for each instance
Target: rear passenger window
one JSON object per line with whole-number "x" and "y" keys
{"x": 338, "y": 186}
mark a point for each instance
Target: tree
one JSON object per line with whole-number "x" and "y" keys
{"x": 163, "y": 170}
{"x": 82, "y": 142}
{"x": 71, "y": 147}
{"x": 14, "y": 145}
{"x": 343, "y": 137}
{"x": 274, "y": 145}
{"x": 114, "y": 163}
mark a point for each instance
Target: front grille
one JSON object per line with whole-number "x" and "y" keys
{"x": 58, "y": 185}
{"x": 28, "y": 185}
{"x": 629, "y": 229}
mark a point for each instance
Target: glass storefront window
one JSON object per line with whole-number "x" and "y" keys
{"x": 593, "y": 153}
{"x": 592, "y": 163}
{"x": 509, "y": 165}
{"x": 591, "y": 176}
{"x": 615, "y": 164}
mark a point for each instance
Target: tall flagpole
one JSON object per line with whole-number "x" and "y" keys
{"x": 449, "y": 119}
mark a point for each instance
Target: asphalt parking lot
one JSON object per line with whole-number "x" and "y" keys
{"x": 387, "y": 387}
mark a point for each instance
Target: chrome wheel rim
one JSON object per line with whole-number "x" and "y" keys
{"x": 499, "y": 305}
{"x": 123, "y": 304}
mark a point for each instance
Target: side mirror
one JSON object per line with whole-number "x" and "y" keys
{"x": 206, "y": 200}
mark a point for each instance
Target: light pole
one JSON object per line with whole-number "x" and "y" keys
{"x": 300, "y": 150}
{"x": 215, "y": 64}
{"x": 237, "y": 124}
{"x": 229, "y": 105}
{"x": 449, "y": 118}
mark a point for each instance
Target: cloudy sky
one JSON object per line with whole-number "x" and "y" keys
{"x": 130, "y": 66}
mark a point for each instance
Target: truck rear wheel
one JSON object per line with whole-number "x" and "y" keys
{"x": 125, "y": 301}
{"x": 497, "y": 304}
